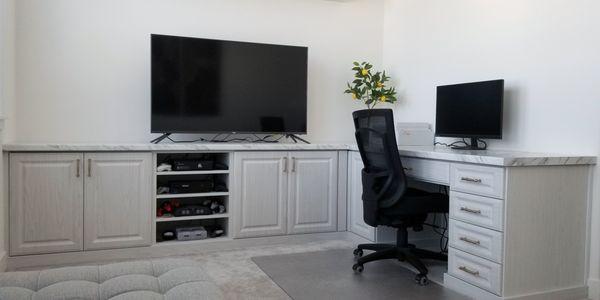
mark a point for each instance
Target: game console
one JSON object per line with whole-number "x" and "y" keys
{"x": 192, "y": 164}
{"x": 191, "y": 233}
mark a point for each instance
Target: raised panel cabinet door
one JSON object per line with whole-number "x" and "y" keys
{"x": 312, "y": 202}
{"x": 118, "y": 200}
{"x": 260, "y": 193}
{"x": 356, "y": 223}
{"x": 46, "y": 203}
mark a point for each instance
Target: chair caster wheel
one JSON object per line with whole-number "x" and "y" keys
{"x": 422, "y": 280}
{"x": 358, "y": 253}
{"x": 358, "y": 268}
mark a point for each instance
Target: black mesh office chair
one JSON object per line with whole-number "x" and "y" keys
{"x": 386, "y": 198}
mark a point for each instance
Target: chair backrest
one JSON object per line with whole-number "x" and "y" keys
{"x": 383, "y": 178}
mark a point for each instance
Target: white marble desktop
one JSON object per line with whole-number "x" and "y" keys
{"x": 505, "y": 158}
{"x": 72, "y": 147}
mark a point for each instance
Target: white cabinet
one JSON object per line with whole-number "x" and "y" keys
{"x": 46, "y": 203}
{"x": 356, "y": 221}
{"x": 62, "y": 202}
{"x": 312, "y": 203}
{"x": 117, "y": 200}
{"x": 260, "y": 189}
{"x": 276, "y": 193}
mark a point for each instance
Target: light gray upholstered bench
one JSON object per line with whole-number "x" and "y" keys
{"x": 165, "y": 279}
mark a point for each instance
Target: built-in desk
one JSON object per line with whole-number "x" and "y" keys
{"x": 518, "y": 221}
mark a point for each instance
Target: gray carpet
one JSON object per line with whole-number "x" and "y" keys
{"x": 329, "y": 275}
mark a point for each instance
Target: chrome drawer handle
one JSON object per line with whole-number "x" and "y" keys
{"x": 470, "y": 241}
{"x": 469, "y": 271}
{"x": 407, "y": 169}
{"x": 473, "y": 211}
{"x": 469, "y": 179}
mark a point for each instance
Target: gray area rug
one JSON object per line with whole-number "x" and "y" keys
{"x": 329, "y": 275}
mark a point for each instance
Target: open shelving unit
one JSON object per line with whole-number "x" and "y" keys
{"x": 219, "y": 174}
{"x": 201, "y": 217}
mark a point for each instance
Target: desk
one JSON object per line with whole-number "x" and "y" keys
{"x": 518, "y": 221}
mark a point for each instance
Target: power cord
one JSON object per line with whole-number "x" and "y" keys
{"x": 462, "y": 142}
{"x": 266, "y": 139}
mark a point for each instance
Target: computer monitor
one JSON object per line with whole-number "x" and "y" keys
{"x": 470, "y": 110}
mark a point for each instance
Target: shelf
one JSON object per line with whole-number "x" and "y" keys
{"x": 193, "y": 195}
{"x": 208, "y": 240}
{"x": 201, "y": 217}
{"x": 171, "y": 173}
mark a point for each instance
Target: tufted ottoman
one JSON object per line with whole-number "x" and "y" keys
{"x": 165, "y": 279}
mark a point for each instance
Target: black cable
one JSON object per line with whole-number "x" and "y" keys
{"x": 265, "y": 139}
{"x": 451, "y": 144}
{"x": 193, "y": 141}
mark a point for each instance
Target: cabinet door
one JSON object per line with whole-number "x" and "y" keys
{"x": 356, "y": 222}
{"x": 260, "y": 192}
{"x": 118, "y": 197}
{"x": 46, "y": 203}
{"x": 312, "y": 202}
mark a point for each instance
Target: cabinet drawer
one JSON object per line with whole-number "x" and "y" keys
{"x": 475, "y": 270}
{"x": 479, "y": 180}
{"x": 427, "y": 170}
{"x": 478, "y": 210}
{"x": 476, "y": 240}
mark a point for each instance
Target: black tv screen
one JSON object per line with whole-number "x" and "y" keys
{"x": 470, "y": 110}
{"x": 213, "y": 86}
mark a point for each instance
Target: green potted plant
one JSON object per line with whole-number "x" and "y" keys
{"x": 370, "y": 87}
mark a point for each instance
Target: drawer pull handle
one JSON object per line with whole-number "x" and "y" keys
{"x": 285, "y": 164}
{"x": 468, "y": 271}
{"x": 407, "y": 169}
{"x": 469, "y": 179}
{"x": 89, "y": 167}
{"x": 78, "y": 167}
{"x": 473, "y": 211}
{"x": 470, "y": 241}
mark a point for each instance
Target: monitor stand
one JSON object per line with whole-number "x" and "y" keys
{"x": 473, "y": 146}
{"x": 295, "y": 138}
{"x": 160, "y": 138}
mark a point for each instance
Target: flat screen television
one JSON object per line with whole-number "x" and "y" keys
{"x": 470, "y": 110}
{"x": 213, "y": 86}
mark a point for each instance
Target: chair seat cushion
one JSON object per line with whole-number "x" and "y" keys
{"x": 166, "y": 279}
{"x": 414, "y": 203}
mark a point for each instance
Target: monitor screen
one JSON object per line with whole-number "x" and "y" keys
{"x": 213, "y": 86}
{"x": 470, "y": 109}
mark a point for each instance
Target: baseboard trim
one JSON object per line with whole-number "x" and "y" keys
{"x": 594, "y": 289}
{"x": 571, "y": 293}
{"x": 3, "y": 261}
{"x": 16, "y": 263}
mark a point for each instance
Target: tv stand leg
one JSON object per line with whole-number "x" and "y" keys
{"x": 296, "y": 138}
{"x": 160, "y": 138}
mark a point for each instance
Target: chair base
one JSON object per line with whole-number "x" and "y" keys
{"x": 408, "y": 253}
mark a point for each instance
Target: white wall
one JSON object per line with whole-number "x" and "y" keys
{"x": 7, "y": 101}
{"x": 83, "y": 68}
{"x": 7, "y": 68}
{"x": 548, "y": 51}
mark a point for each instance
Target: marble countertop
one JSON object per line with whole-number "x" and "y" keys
{"x": 72, "y": 147}
{"x": 505, "y": 158}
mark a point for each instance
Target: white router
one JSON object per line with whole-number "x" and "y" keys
{"x": 414, "y": 134}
